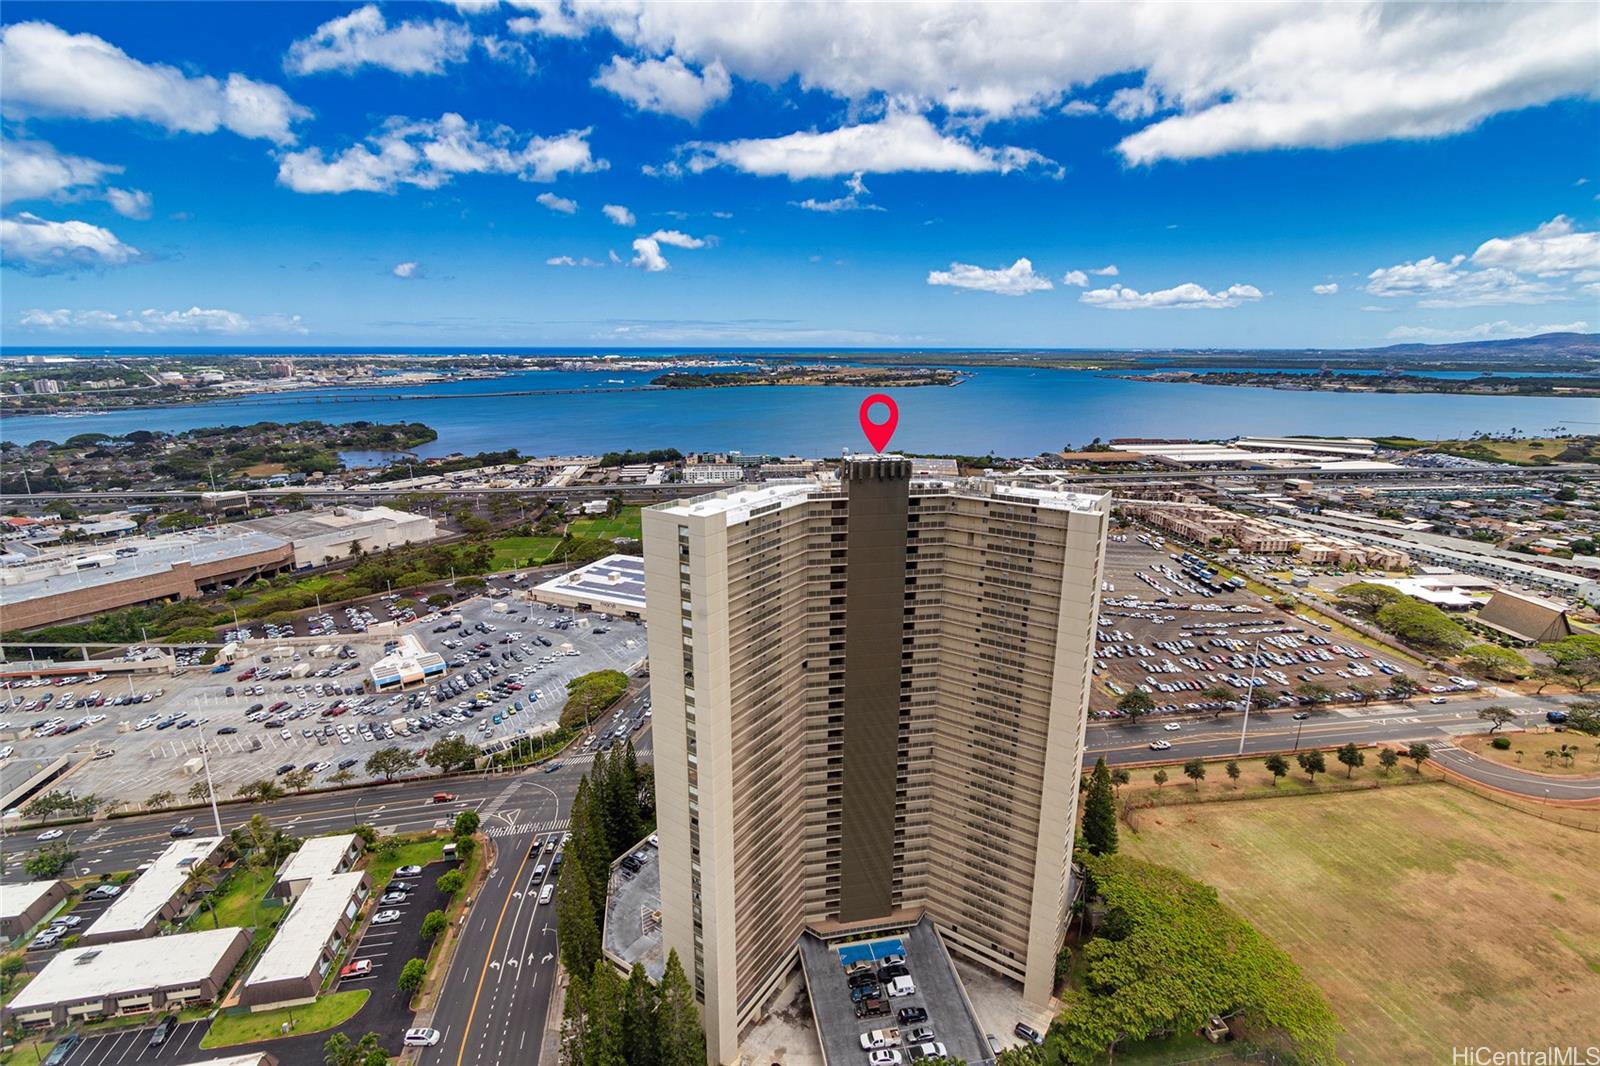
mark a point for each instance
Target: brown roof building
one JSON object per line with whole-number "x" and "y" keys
{"x": 1525, "y": 617}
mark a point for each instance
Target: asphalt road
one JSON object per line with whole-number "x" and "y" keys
{"x": 1276, "y": 731}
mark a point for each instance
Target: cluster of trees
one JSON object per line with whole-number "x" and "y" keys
{"x": 613, "y": 809}
{"x": 339, "y": 1050}
{"x": 610, "y": 1022}
{"x": 1575, "y": 660}
{"x": 399, "y": 472}
{"x": 1411, "y": 621}
{"x": 54, "y": 803}
{"x": 590, "y": 695}
{"x": 1168, "y": 955}
{"x": 629, "y": 458}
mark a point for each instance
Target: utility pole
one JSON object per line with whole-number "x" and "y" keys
{"x": 211, "y": 789}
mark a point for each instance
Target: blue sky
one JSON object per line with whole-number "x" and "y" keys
{"x": 949, "y": 175}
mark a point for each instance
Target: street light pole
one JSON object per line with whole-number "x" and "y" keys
{"x": 205, "y": 760}
{"x": 1249, "y": 693}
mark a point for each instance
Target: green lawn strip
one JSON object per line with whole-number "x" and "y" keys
{"x": 27, "y": 1053}
{"x": 626, "y": 524}
{"x": 513, "y": 552}
{"x": 1174, "y": 1050}
{"x": 439, "y": 955}
{"x": 239, "y": 1026}
{"x": 381, "y": 867}
{"x": 235, "y": 901}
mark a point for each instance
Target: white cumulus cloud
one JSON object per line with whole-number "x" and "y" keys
{"x": 365, "y": 38}
{"x": 1555, "y": 247}
{"x": 618, "y": 214}
{"x": 31, "y": 243}
{"x": 1075, "y": 277}
{"x": 409, "y": 269}
{"x": 1229, "y": 77}
{"x": 1185, "y": 296}
{"x": 559, "y": 204}
{"x": 895, "y": 143}
{"x": 1018, "y": 279}
{"x": 667, "y": 86}
{"x": 1326, "y": 290}
{"x": 45, "y": 70}
{"x": 647, "y": 250}
{"x": 429, "y": 154}
{"x": 852, "y": 200}
{"x": 151, "y": 320}
{"x": 34, "y": 170}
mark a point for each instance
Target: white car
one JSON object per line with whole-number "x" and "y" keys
{"x": 1160, "y": 745}
{"x": 51, "y": 834}
{"x": 385, "y": 917}
{"x": 1437, "y": 699}
{"x": 884, "y": 1057}
{"x": 421, "y": 1037}
{"x": 1172, "y": 727}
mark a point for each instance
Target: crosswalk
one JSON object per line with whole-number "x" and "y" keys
{"x": 553, "y": 825}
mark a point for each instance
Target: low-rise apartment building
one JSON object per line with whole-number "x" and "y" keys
{"x": 155, "y": 896}
{"x": 24, "y": 906}
{"x": 85, "y": 983}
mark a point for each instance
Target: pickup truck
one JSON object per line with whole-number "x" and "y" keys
{"x": 880, "y": 1038}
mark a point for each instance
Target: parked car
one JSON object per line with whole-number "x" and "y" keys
{"x": 358, "y": 968}
{"x": 913, "y": 1015}
{"x": 385, "y": 917}
{"x": 1027, "y": 1032}
{"x": 884, "y": 1057}
{"x": 163, "y": 1029}
{"x": 408, "y": 871}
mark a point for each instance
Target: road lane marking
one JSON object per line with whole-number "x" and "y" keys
{"x": 461, "y": 1057}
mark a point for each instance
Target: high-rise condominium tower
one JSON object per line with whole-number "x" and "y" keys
{"x": 869, "y": 705}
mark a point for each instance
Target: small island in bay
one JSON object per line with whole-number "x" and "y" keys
{"x": 861, "y": 377}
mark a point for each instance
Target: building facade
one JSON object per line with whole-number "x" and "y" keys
{"x": 870, "y": 699}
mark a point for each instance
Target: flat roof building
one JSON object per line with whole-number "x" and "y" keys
{"x": 409, "y": 663}
{"x": 154, "y": 896}
{"x": 132, "y": 977}
{"x": 307, "y": 942}
{"x": 317, "y": 857}
{"x": 615, "y": 583}
{"x": 66, "y": 584}
{"x": 327, "y": 536}
{"x": 870, "y": 699}
{"x": 24, "y": 906}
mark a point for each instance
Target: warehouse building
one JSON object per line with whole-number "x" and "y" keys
{"x": 317, "y": 857}
{"x": 83, "y": 984}
{"x": 155, "y": 896}
{"x": 67, "y": 584}
{"x": 307, "y": 942}
{"x": 327, "y": 536}
{"x": 24, "y": 906}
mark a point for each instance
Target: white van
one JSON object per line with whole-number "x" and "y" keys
{"x": 421, "y": 1037}
{"x": 902, "y": 986}
{"x": 547, "y": 893}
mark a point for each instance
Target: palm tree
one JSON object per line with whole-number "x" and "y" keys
{"x": 202, "y": 877}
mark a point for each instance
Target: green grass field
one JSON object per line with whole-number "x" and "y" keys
{"x": 235, "y": 901}
{"x": 512, "y": 552}
{"x": 626, "y": 524}
{"x": 240, "y": 1026}
{"x": 1429, "y": 917}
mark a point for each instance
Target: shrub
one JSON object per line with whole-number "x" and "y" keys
{"x": 1501, "y": 743}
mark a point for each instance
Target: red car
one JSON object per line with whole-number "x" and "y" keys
{"x": 359, "y": 968}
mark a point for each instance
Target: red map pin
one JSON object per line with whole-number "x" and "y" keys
{"x": 878, "y": 433}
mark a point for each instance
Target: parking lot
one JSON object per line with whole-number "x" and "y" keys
{"x": 318, "y": 720}
{"x": 1168, "y": 630}
{"x": 121, "y": 1046}
{"x": 938, "y": 996}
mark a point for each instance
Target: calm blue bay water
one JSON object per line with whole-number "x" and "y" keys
{"x": 1004, "y": 410}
